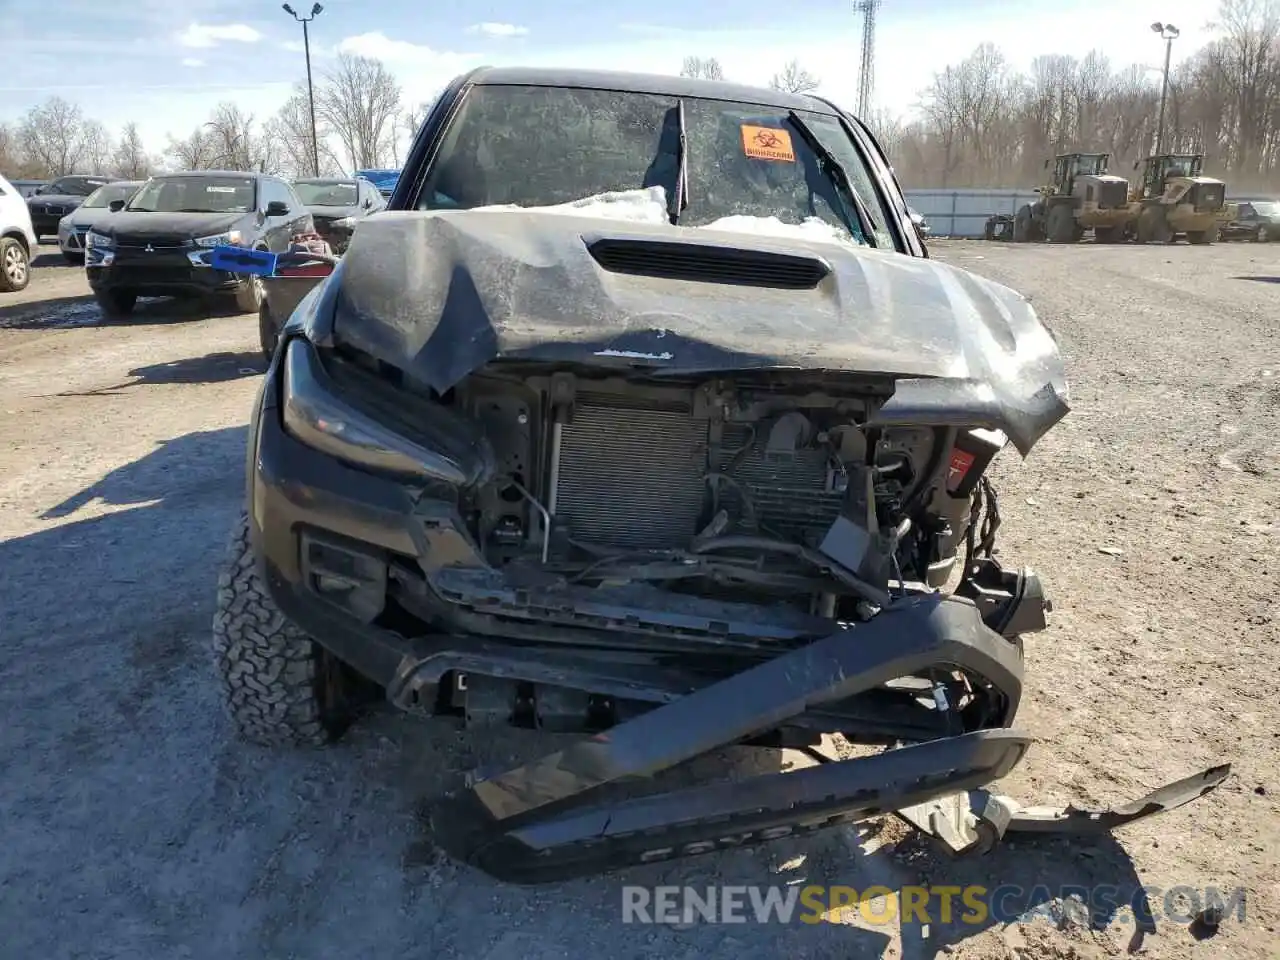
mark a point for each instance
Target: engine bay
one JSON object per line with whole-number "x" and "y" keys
{"x": 729, "y": 488}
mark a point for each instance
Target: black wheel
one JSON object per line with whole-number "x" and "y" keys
{"x": 15, "y": 266}
{"x": 1106, "y": 234}
{"x": 279, "y": 686}
{"x": 115, "y": 303}
{"x": 1153, "y": 226}
{"x": 268, "y": 332}
{"x": 1022, "y": 225}
{"x": 72, "y": 257}
{"x": 1062, "y": 224}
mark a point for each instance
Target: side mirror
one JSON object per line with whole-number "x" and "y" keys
{"x": 115, "y": 206}
{"x": 368, "y": 202}
{"x": 277, "y": 208}
{"x": 1046, "y": 164}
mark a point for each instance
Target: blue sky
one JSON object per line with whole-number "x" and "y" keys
{"x": 165, "y": 65}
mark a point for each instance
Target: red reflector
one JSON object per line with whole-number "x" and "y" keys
{"x": 961, "y": 461}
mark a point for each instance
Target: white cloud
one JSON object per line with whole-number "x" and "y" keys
{"x": 192, "y": 62}
{"x": 203, "y": 35}
{"x": 498, "y": 29}
{"x": 421, "y": 70}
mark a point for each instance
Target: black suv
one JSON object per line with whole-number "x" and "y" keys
{"x": 337, "y": 205}
{"x": 1256, "y": 220}
{"x": 50, "y": 203}
{"x": 642, "y": 410}
{"x": 160, "y": 242}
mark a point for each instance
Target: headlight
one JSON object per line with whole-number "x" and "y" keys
{"x": 315, "y": 415}
{"x": 231, "y": 238}
{"x": 99, "y": 241}
{"x": 346, "y": 223}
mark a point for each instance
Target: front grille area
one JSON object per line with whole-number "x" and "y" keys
{"x": 160, "y": 241}
{"x": 53, "y": 210}
{"x": 1112, "y": 195}
{"x": 130, "y": 274}
{"x": 708, "y": 263}
{"x": 633, "y": 474}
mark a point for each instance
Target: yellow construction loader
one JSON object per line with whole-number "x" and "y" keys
{"x": 1174, "y": 199}
{"x": 1082, "y": 197}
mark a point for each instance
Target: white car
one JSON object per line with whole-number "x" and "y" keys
{"x": 17, "y": 239}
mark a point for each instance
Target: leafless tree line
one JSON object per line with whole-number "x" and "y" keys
{"x": 984, "y": 124}
{"x": 360, "y": 115}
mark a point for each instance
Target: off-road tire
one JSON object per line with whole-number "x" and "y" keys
{"x": 1022, "y": 225}
{"x": 115, "y": 304}
{"x": 268, "y": 333}
{"x": 15, "y": 266}
{"x": 280, "y": 687}
{"x": 1107, "y": 234}
{"x": 1201, "y": 237}
{"x": 1153, "y": 226}
{"x": 249, "y": 294}
{"x": 1062, "y": 224}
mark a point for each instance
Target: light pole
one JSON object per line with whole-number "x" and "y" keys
{"x": 1168, "y": 33}
{"x": 311, "y": 96}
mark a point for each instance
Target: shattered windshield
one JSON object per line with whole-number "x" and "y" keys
{"x": 312, "y": 194}
{"x": 105, "y": 196}
{"x": 195, "y": 195}
{"x": 532, "y": 146}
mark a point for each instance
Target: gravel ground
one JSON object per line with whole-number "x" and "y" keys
{"x": 134, "y": 826}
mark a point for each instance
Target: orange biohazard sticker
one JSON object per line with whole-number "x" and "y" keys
{"x": 767, "y": 143}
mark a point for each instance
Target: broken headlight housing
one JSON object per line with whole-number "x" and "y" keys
{"x": 315, "y": 414}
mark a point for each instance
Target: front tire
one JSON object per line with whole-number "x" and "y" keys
{"x": 15, "y": 266}
{"x": 249, "y": 294}
{"x": 279, "y": 686}
{"x": 268, "y": 334}
{"x": 1062, "y": 224}
{"x": 115, "y": 304}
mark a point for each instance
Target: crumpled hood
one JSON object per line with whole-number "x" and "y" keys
{"x": 125, "y": 222}
{"x": 440, "y": 294}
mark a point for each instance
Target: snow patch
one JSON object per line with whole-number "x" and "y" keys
{"x": 646, "y": 205}
{"x": 813, "y": 228}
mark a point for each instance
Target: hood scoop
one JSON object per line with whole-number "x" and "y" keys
{"x": 708, "y": 263}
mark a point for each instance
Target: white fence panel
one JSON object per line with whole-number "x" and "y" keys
{"x": 964, "y": 213}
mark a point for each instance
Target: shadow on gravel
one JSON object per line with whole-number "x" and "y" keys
{"x": 54, "y": 260}
{"x": 185, "y": 468}
{"x": 211, "y": 368}
{"x": 67, "y": 312}
{"x": 1259, "y": 279}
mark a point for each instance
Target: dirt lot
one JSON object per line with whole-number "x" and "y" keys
{"x": 136, "y": 828}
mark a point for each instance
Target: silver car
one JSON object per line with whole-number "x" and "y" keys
{"x": 73, "y": 227}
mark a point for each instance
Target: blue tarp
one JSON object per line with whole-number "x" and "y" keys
{"x": 384, "y": 180}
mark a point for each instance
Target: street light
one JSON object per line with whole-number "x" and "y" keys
{"x": 1168, "y": 33}
{"x": 311, "y": 96}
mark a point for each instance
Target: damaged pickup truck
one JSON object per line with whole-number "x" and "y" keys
{"x": 643, "y": 413}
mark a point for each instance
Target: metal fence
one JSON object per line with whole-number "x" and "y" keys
{"x": 963, "y": 213}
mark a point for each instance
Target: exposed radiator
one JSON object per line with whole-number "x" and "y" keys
{"x": 634, "y": 476}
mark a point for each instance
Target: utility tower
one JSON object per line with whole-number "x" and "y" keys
{"x": 867, "y": 73}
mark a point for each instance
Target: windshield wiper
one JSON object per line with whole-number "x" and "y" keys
{"x": 831, "y": 167}
{"x": 681, "y": 198}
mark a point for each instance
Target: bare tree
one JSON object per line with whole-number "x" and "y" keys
{"x": 360, "y": 100}
{"x": 794, "y": 79}
{"x": 95, "y": 147}
{"x": 9, "y": 160}
{"x": 50, "y": 137}
{"x": 130, "y": 160}
{"x": 235, "y": 143}
{"x": 290, "y": 131}
{"x": 702, "y": 68}
{"x": 195, "y": 152}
